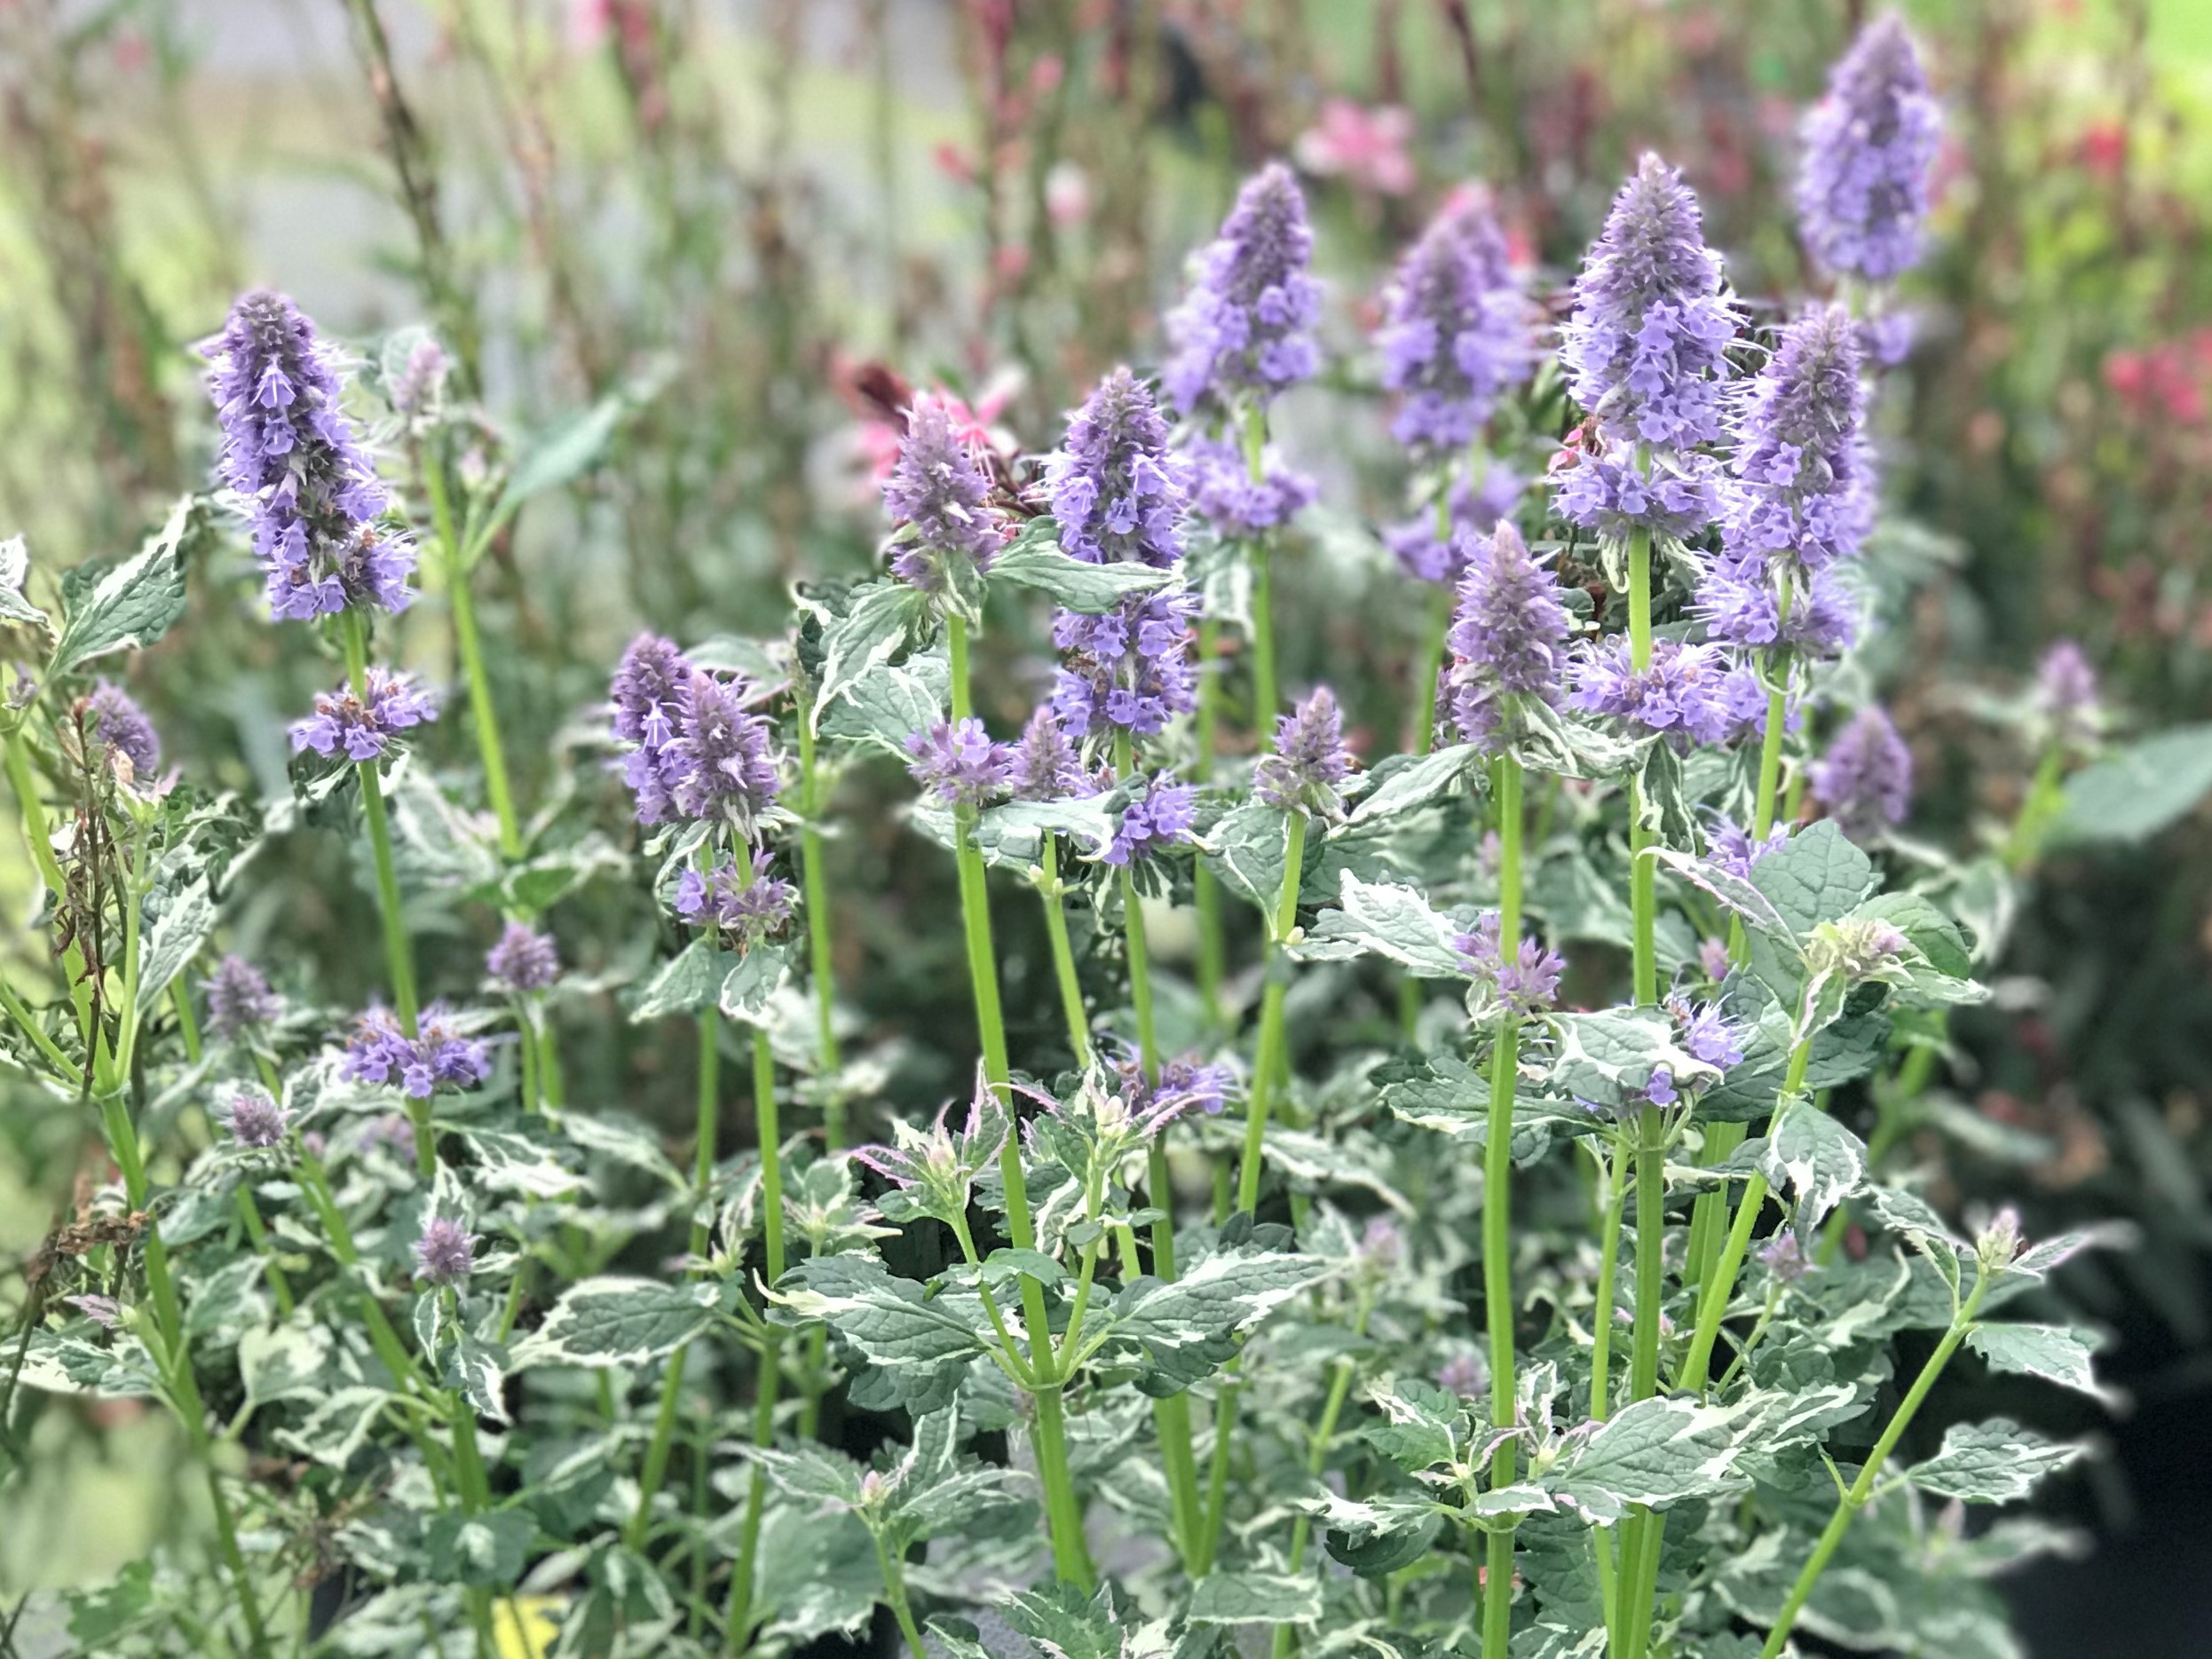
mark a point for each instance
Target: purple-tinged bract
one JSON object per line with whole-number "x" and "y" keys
{"x": 240, "y": 1003}
{"x": 720, "y": 764}
{"x": 1870, "y": 148}
{"x": 1245, "y": 326}
{"x": 1865, "y": 780}
{"x": 1458, "y": 332}
{"x": 1508, "y": 640}
{"x": 1643, "y": 348}
{"x": 313, "y": 493}
{"x": 524, "y": 960}
{"x": 1163, "y": 815}
{"x": 1309, "y": 759}
{"x": 1116, "y": 492}
{"x": 365, "y": 727}
{"x": 255, "y": 1119}
{"x": 437, "y": 1056}
{"x": 743, "y": 900}
{"x": 957, "y": 762}
{"x": 118, "y": 726}
{"x": 446, "y": 1253}
{"x": 941, "y": 499}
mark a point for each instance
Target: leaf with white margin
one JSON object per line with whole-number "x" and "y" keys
{"x": 1387, "y": 920}
{"x": 1414, "y": 784}
{"x": 1812, "y": 1155}
{"x": 613, "y": 1321}
{"x": 15, "y": 570}
{"x": 1654, "y": 1451}
{"x": 1254, "y": 1598}
{"x": 1996, "y": 1462}
{"x": 2064, "y": 1355}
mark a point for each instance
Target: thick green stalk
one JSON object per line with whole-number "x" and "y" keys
{"x": 2043, "y": 796}
{"x": 895, "y": 1594}
{"x": 1317, "y": 1456}
{"x": 1861, "y": 1489}
{"x": 17, "y": 1010}
{"x": 738, "y": 1621}
{"x": 1267, "y": 1054}
{"x": 820, "y": 960}
{"x": 483, "y": 716}
{"x": 1063, "y": 955}
{"x": 1071, "y": 1554}
{"x": 1498, "y": 1171}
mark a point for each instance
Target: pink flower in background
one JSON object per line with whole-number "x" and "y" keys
{"x": 875, "y": 438}
{"x": 1067, "y": 195}
{"x": 1365, "y": 148}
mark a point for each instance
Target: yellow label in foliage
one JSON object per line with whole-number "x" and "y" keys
{"x": 524, "y": 1627}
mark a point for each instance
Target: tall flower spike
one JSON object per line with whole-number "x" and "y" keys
{"x": 365, "y": 727}
{"x": 239, "y": 1002}
{"x": 1685, "y": 693}
{"x": 379, "y": 1052}
{"x": 1458, "y": 332}
{"x": 1115, "y": 490}
{"x": 2066, "y": 696}
{"x": 1870, "y": 147}
{"x": 1309, "y": 759}
{"x": 1046, "y": 765}
{"x": 1508, "y": 640}
{"x": 1165, "y": 814}
{"x": 288, "y": 448}
{"x": 119, "y": 726}
{"x": 255, "y": 1119}
{"x": 1128, "y": 669}
{"x": 524, "y": 960}
{"x": 1865, "y": 780}
{"x": 941, "y": 500}
{"x": 1245, "y": 326}
{"x": 651, "y": 697}
{"x": 720, "y": 764}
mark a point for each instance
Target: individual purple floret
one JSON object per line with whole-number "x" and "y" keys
{"x": 1508, "y": 640}
{"x": 240, "y": 1003}
{"x": 1165, "y": 814}
{"x": 120, "y": 727}
{"x": 1458, "y": 332}
{"x": 1784, "y": 1257}
{"x": 254, "y": 1118}
{"x": 1870, "y": 147}
{"x": 1426, "y": 552}
{"x": 651, "y": 696}
{"x": 365, "y": 727}
{"x": 1464, "y": 1374}
{"x": 1225, "y": 494}
{"x": 1309, "y": 759}
{"x": 523, "y": 961}
{"x": 379, "y": 1052}
{"x": 1731, "y": 848}
{"x": 958, "y": 763}
{"x": 940, "y": 497}
{"x": 1245, "y": 326}
{"x": 1524, "y": 986}
{"x": 720, "y": 765}
{"x": 2067, "y": 696}
{"x": 1186, "y": 1083}
{"x": 1045, "y": 764}
{"x": 1607, "y": 493}
{"x": 1116, "y": 492}
{"x": 1684, "y": 693}
{"x": 1713, "y": 959}
{"x": 289, "y": 449}
{"x": 1129, "y": 668}
{"x": 1710, "y": 1035}
{"x": 752, "y": 910}
{"x": 446, "y": 1253}
{"x": 1643, "y": 348}
{"x": 1865, "y": 780}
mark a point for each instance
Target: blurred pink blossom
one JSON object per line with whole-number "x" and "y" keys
{"x": 1366, "y": 148}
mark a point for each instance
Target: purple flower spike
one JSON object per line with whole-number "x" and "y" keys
{"x": 365, "y": 727}
{"x": 1116, "y": 492}
{"x": 1245, "y": 326}
{"x": 1162, "y": 816}
{"x": 120, "y": 727}
{"x": 1643, "y": 348}
{"x": 1129, "y": 669}
{"x": 958, "y": 763}
{"x": 1226, "y": 495}
{"x": 720, "y": 764}
{"x": 446, "y": 1253}
{"x": 1606, "y": 491}
{"x": 523, "y": 961}
{"x": 1710, "y": 1035}
{"x": 1870, "y": 147}
{"x": 1801, "y": 491}
{"x": 255, "y": 1119}
{"x": 1508, "y": 640}
{"x": 1865, "y": 778}
{"x": 1046, "y": 765}
{"x": 1458, "y": 334}
{"x": 941, "y": 498}
{"x": 1526, "y": 985}
{"x": 750, "y": 910}
{"x": 1309, "y": 759}
{"x": 1685, "y": 692}
{"x": 288, "y": 448}
{"x": 2066, "y": 697}
{"x": 239, "y": 1002}
{"x": 437, "y": 1056}
{"x": 651, "y": 695}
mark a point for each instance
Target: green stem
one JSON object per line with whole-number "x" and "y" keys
{"x": 1317, "y": 1455}
{"x": 19, "y": 1012}
{"x": 1861, "y": 1489}
{"x": 1601, "y": 1345}
{"x": 483, "y": 714}
{"x": 40, "y": 839}
{"x": 1070, "y": 1552}
{"x": 1497, "y": 1208}
{"x": 738, "y": 1624}
{"x": 1063, "y": 955}
{"x": 2043, "y": 796}
{"x": 1431, "y": 665}
{"x": 895, "y": 1594}
{"x": 1266, "y": 1055}
{"x": 820, "y": 960}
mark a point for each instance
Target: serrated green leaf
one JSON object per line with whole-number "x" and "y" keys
{"x": 1385, "y": 920}
{"x": 690, "y": 981}
{"x": 889, "y": 705}
{"x": 171, "y": 937}
{"x": 1996, "y": 1462}
{"x": 557, "y": 454}
{"x": 1609, "y": 1057}
{"x": 1812, "y": 1155}
{"x": 486, "y": 1551}
{"x": 878, "y": 619}
{"x": 15, "y": 570}
{"x": 748, "y": 987}
{"x": 1253, "y": 1597}
{"x": 1246, "y": 849}
{"x": 1034, "y": 559}
{"x": 1655, "y": 1452}
{"x": 1817, "y": 875}
{"x": 2133, "y": 792}
{"x": 613, "y": 1321}
{"x": 1933, "y": 933}
{"x": 1404, "y": 785}
{"x": 132, "y": 604}
{"x": 2064, "y": 1355}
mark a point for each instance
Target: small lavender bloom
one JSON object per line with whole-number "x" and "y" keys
{"x": 1855, "y": 950}
{"x": 120, "y": 727}
{"x": 1045, "y": 766}
{"x": 1225, "y": 494}
{"x": 1643, "y": 348}
{"x": 1129, "y": 668}
{"x": 752, "y": 910}
{"x": 1309, "y": 759}
{"x": 1429, "y": 552}
{"x": 1458, "y": 332}
{"x": 720, "y": 764}
{"x": 379, "y": 1052}
{"x": 1739, "y": 600}
{"x": 289, "y": 449}
{"x": 365, "y": 727}
{"x": 1713, "y": 959}
{"x": 1999, "y": 1243}
{"x": 1865, "y": 778}
{"x": 958, "y": 763}
{"x": 446, "y": 1253}
{"x": 1607, "y": 493}
{"x": 1381, "y": 1244}
{"x": 1464, "y": 1374}
{"x": 1524, "y": 986}
{"x": 421, "y": 383}
{"x": 1870, "y": 147}
{"x": 239, "y": 1002}
{"x": 1116, "y": 491}
{"x": 1710, "y": 1035}
{"x": 254, "y": 1118}
{"x": 2067, "y": 696}
{"x": 1186, "y": 1083}
{"x": 1245, "y": 326}
{"x": 1784, "y": 1257}
{"x": 651, "y": 696}
{"x": 1683, "y": 693}
{"x": 941, "y": 499}
{"x": 1731, "y": 848}
{"x": 524, "y": 960}
{"x": 1162, "y": 816}
{"x": 1508, "y": 640}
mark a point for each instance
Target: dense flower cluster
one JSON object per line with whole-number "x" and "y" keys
{"x": 1116, "y": 491}
{"x": 1690, "y": 691}
{"x": 648, "y": 695}
{"x": 1870, "y": 148}
{"x": 1865, "y": 780}
{"x": 957, "y": 762}
{"x": 1186, "y": 1083}
{"x": 378, "y": 1051}
{"x": 940, "y": 498}
{"x": 118, "y": 726}
{"x": 1525, "y": 985}
{"x": 1508, "y": 640}
{"x": 1225, "y": 494}
{"x": 699, "y": 752}
{"x": 366, "y": 726}
{"x": 1129, "y": 668}
{"x": 743, "y": 900}
{"x": 1736, "y": 849}
{"x": 254, "y": 1118}
{"x": 1164, "y": 813}
{"x": 1309, "y": 759}
{"x": 240, "y": 1003}
{"x": 1245, "y": 326}
{"x": 1614, "y": 494}
{"x": 1429, "y": 551}
{"x": 524, "y": 960}
{"x": 1458, "y": 331}
{"x": 1046, "y": 765}
{"x": 446, "y": 1253}
{"x": 313, "y": 495}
